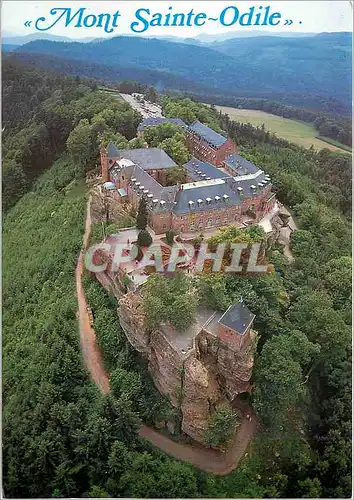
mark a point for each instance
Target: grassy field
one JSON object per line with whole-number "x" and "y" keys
{"x": 301, "y": 133}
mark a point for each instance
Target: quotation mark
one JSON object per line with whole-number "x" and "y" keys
{"x": 28, "y": 24}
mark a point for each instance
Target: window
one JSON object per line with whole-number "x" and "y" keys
{"x": 122, "y": 177}
{"x": 217, "y": 222}
{"x": 191, "y": 226}
{"x": 209, "y": 222}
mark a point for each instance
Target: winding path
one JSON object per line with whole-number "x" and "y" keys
{"x": 206, "y": 459}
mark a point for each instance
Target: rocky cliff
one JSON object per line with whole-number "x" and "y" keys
{"x": 131, "y": 318}
{"x": 166, "y": 367}
{"x": 197, "y": 381}
{"x": 201, "y": 392}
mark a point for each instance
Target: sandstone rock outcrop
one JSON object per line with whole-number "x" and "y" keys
{"x": 200, "y": 392}
{"x": 165, "y": 366}
{"x": 131, "y": 318}
{"x": 196, "y": 369}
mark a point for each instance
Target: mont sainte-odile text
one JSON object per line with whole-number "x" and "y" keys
{"x": 144, "y": 18}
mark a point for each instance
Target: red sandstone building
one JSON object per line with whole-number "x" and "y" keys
{"x": 212, "y": 198}
{"x": 207, "y": 145}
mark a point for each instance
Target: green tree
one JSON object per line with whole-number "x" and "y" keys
{"x": 155, "y": 134}
{"x": 175, "y": 147}
{"x": 124, "y": 382}
{"x": 136, "y": 143}
{"x": 144, "y": 238}
{"x": 310, "y": 488}
{"x": 222, "y": 426}
{"x": 97, "y": 492}
{"x": 170, "y": 300}
{"x": 142, "y": 217}
{"x": 212, "y": 292}
{"x": 279, "y": 377}
{"x": 79, "y": 143}
{"x": 175, "y": 175}
{"x": 151, "y": 94}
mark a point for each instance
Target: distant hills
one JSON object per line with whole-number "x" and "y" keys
{"x": 205, "y": 38}
{"x": 310, "y": 71}
{"x": 9, "y": 39}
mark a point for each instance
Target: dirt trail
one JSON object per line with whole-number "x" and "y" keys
{"x": 90, "y": 350}
{"x": 203, "y": 458}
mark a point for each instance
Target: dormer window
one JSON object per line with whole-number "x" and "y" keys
{"x": 191, "y": 204}
{"x": 240, "y": 189}
{"x": 225, "y": 197}
{"x": 217, "y": 199}
{"x": 208, "y": 200}
{"x": 162, "y": 203}
{"x": 200, "y": 202}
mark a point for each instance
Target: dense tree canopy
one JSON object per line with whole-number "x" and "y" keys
{"x": 61, "y": 437}
{"x": 170, "y": 300}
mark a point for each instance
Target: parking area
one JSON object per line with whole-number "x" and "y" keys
{"x": 145, "y": 108}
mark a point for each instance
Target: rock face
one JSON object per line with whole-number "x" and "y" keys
{"x": 235, "y": 370}
{"x": 200, "y": 393}
{"x": 233, "y": 366}
{"x": 131, "y": 318}
{"x": 166, "y": 367}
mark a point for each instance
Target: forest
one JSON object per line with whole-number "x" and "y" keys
{"x": 60, "y": 436}
{"x": 40, "y": 110}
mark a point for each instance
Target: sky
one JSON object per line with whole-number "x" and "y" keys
{"x": 307, "y": 16}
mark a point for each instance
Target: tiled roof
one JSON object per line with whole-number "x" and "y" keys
{"x": 153, "y": 121}
{"x": 112, "y": 151}
{"x": 239, "y": 165}
{"x": 201, "y": 170}
{"x": 208, "y": 134}
{"x": 147, "y": 158}
{"x": 238, "y": 317}
{"x": 205, "y": 195}
{"x": 142, "y": 179}
{"x": 201, "y": 191}
{"x": 225, "y": 189}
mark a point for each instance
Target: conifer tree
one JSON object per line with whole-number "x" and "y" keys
{"x": 141, "y": 219}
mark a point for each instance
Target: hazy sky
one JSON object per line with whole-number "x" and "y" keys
{"x": 315, "y": 16}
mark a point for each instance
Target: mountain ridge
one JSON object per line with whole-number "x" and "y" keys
{"x": 318, "y": 66}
